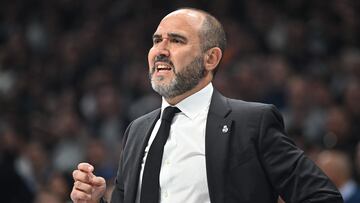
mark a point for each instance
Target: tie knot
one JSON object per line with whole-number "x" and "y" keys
{"x": 169, "y": 113}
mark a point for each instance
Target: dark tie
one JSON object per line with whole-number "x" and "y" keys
{"x": 150, "y": 182}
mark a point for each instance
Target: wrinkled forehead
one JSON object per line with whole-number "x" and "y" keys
{"x": 181, "y": 21}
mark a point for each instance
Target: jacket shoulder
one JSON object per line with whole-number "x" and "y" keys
{"x": 254, "y": 110}
{"x": 251, "y": 107}
{"x": 151, "y": 115}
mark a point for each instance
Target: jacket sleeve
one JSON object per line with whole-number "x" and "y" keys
{"x": 295, "y": 177}
{"x": 117, "y": 195}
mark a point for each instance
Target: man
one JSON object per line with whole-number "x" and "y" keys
{"x": 219, "y": 150}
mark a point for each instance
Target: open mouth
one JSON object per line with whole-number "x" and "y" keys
{"x": 162, "y": 67}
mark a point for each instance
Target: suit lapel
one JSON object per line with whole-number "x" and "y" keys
{"x": 218, "y": 129}
{"x": 142, "y": 136}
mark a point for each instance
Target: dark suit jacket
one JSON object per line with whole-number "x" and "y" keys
{"x": 251, "y": 162}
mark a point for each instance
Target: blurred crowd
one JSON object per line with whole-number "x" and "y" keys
{"x": 73, "y": 74}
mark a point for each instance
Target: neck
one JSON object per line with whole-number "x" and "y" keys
{"x": 179, "y": 98}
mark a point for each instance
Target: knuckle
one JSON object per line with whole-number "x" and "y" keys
{"x": 79, "y": 195}
{"x": 83, "y": 186}
{"x": 77, "y": 184}
{"x": 87, "y": 188}
{"x": 78, "y": 175}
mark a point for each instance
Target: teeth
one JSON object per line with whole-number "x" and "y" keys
{"x": 163, "y": 66}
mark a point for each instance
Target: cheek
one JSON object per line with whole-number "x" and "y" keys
{"x": 151, "y": 56}
{"x": 180, "y": 61}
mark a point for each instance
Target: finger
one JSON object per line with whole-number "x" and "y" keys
{"x": 81, "y": 176}
{"x": 98, "y": 181}
{"x": 77, "y": 195}
{"x": 85, "y": 167}
{"x": 84, "y": 187}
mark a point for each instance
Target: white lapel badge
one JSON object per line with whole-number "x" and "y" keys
{"x": 225, "y": 129}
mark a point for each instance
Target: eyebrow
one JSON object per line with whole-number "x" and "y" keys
{"x": 171, "y": 35}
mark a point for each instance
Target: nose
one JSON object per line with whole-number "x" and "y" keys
{"x": 163, "y": 48}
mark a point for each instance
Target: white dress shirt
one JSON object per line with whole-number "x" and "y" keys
{"x": 183, "y": 170}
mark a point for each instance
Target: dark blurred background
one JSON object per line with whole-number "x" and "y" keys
{"x": 73, "y": 73}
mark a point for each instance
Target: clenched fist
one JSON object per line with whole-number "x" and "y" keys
{"x": 87, "y": 188}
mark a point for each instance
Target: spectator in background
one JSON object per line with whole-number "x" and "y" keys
{"x": 352, "y": 107}
{"x": 102, "y": 157}
{"x": 45, "y": 196}
{"x": 14, "y": 186}
{"x": 357, "y": 163}
{"x": 338, "y": 132}
{"x": 109, "y": 123}
{"x": 337, "y": 165}
{"x": 70, "y": 138}
{"x": 58, "y": 186}
{"x": 297, "y": 108}
{"x": 277, "y": 71}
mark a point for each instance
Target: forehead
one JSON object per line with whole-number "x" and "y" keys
{"x": 183, "y": 22}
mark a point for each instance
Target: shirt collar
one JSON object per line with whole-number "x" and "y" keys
{"x": 193, "y": 104}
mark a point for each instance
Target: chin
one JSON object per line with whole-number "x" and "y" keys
{"x": 161, "y": 80}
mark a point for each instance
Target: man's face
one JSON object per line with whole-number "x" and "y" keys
{"x": 175, "y": 60}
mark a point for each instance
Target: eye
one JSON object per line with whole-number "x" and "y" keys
{"x": 156, "y": 40}
{"x": 177, "y": 41}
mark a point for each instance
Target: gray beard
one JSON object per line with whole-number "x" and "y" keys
{"x": 184, "y": 81}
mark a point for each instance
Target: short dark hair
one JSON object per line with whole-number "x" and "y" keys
{"x": 212, "y": 33}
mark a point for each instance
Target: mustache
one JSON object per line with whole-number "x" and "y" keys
{"x": 163, "y": 58}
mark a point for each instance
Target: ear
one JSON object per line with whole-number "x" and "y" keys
{"x": 212, "y": 58}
